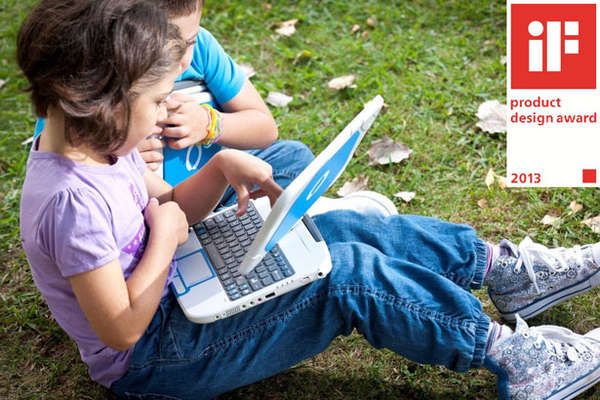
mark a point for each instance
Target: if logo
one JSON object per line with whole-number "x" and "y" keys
{"x": 553, "y": 46}
{"x": 556, "y": 46}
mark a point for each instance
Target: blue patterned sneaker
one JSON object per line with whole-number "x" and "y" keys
{"x": 545, "y": 362}
{"x": 533, "y": 278}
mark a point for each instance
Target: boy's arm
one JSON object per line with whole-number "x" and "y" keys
{"x": 246, "y": 120}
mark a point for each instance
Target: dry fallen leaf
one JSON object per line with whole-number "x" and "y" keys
{"x": 492, "y": 177}
{"x": 501, "y": 180}
{"x": 2, "y": 83}
{"x": 248, "y": 70}
{"x": 492, "y": 116}
{"x": 341, "y": 82}
{"x": 355, "y": 185}
{"x": 385, "y": 151}
{"x": 550, "y": 220}
{"x": 406, "y": 196}
{"x": 278, "y": 99}
{"x": 482, "y": 203}
{"x": 355, "y": 28}
{"x": 575, "y": 207}
{"x": 593, "y": 223}
{"x": 287, "y": 28}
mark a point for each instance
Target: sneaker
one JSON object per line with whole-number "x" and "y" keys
{"x": 545, "y": 362}
{"x": 364, "y": 202}
{"x": 533, "y": 278}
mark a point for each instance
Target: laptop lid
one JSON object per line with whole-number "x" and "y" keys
{"x": 315, "y": 180}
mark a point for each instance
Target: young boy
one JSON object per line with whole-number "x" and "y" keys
{"x": 246, "y": 120}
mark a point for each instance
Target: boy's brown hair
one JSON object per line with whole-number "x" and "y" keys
{"x": 87, "y": 57}
{"x": 180, "y": 8}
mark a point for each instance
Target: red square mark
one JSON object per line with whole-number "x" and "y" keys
{"x": 589, "y": 176}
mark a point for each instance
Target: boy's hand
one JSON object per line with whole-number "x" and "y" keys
{"x": 243, "y": 172}
{"x": 166, "y": 220}
{"x": 187, "y": 123}
{"x": 148, "y": 149}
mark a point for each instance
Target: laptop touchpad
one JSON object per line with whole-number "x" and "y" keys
{"x": 192, "y": 262}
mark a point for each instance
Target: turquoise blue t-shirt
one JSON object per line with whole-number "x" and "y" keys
{"x": 221, "y": 75}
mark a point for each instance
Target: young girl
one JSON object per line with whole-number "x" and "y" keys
{"x": 100, "y": 251}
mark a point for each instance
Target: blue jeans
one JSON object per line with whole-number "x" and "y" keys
{"x": 402, "y": 281}
{"x": 287, "y": 157}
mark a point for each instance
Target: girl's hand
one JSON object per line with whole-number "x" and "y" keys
{"x": 166, "y": 220}
{"x": 148, "y": 149}
{"x": 243, "y": 172}
{"x": 187, "y": 122}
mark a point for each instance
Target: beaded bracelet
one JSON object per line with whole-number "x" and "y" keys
{"x": 215, "y": 126}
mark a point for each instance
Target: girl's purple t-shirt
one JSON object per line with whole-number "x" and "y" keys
{"x": 75, "y": 218}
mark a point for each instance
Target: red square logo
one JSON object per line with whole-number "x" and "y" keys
{"x": 553, "y": 46}
{"x": 589, "y": 176}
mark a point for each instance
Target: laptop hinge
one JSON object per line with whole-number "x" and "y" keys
{"x": 312, "y": 228}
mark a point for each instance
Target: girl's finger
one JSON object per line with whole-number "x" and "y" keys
{"x": 243, "y": 197}
{"x": 272, "y": 189}
{"x": 257, "y": 194}
{"x": 150, "y": 144}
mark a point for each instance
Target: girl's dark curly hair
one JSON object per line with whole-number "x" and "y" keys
{"x": 87, "y": 57}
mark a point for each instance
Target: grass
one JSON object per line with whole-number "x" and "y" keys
{"x": 434, "y": 62}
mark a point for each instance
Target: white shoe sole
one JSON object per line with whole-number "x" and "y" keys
{"x": 577, "y": 387}
{"x": 545, "y": 303}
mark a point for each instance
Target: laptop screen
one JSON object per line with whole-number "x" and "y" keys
{"x": 318, "y": 185}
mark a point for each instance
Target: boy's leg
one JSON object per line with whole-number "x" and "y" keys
{"x": 451, "y": 250}
{"x": 287, "y": 157}
{"x": 392, "y": 300}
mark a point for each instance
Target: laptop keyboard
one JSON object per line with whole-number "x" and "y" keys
{"x": 225, "y": 237}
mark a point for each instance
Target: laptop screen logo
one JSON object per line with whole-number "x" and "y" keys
{"x": 319, "y": 183}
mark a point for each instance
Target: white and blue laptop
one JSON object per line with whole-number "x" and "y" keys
{"x": 230, "y": 264}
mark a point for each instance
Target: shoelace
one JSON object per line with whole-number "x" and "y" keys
{"x": 561, "y": 341}
{"x": 528, "y": 250}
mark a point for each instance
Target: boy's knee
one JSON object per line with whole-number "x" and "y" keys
{"x": 295, "y": 150}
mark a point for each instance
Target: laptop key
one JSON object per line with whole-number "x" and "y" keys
{"x": 225, "y": 276}
{"x": 214, "y": 255}
{"x": 287, "y": 272}
{"x": 240, "y": 281}
{"x": 230, "y": 286}
{"x": 276, "y": 275}
{"x": 254, "y": 283}
{"x": 267, "y": 281}
{"x": 246, "y": 291}
{"x": 263, "y": 274}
